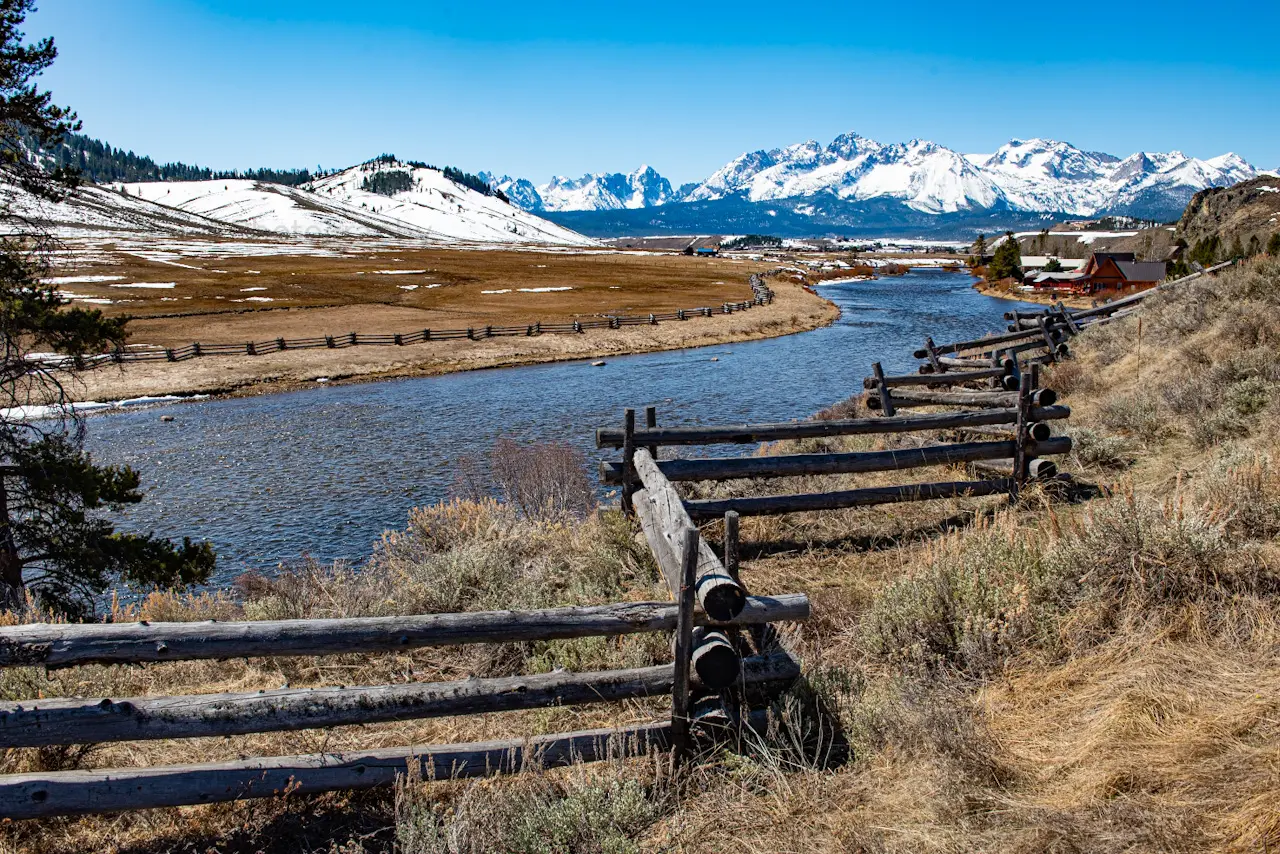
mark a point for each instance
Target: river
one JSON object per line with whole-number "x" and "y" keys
{"x": 325, "y": 470}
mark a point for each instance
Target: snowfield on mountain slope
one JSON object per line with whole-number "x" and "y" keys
{"x": 442, "y": 207}
{"x": 270, "y": 207}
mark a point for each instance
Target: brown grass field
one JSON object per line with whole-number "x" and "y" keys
{"x": 231, "y": 292}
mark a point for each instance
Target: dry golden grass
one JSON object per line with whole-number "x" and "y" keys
{"x": 316, "y": 288}
{"x": 1041, "y": 677}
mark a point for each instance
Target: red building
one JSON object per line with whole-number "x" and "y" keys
{"x": 1118, "y": 271}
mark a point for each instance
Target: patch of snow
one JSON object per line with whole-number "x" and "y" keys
{"x": 541, "y": 290}
{"x": 76, "y": 280}
{"x": 151, "y": 285}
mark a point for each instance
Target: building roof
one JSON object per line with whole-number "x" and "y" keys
{"x": 1142, "y": 271}
{"x": 1058, "y": 277}
{"x": 1118, "y": 257}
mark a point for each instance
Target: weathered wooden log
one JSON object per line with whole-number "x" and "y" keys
{"x": 40, "y": 795}
{"x": 752, "y": 433}
{"x": 718, "y": 592}
{"x": 1037, "y": 469}
{"x": 772, "y": 505}
{"x": 55, "y": 645}
{"x": 949, "y": 378}
{"x": 41, "y": 723}
{"x": 915, "y": 397}
{"x": 1038, "y": 431}
{"x": 794, "y": 465}
{"x": 987, "y": 342}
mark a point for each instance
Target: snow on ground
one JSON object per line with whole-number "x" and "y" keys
{"x": 78, "y": 280}
{"x": 37, "y": 413}
{"x": 151, "y": 285}
{"x": 542, "y": 290}
{"x": 503, "y": 291}
{"x": 443, "y": 208}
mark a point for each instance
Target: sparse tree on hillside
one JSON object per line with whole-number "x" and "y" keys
{"x": 52, "y": 543}
{"x": 1273, "y": 245}
{"x": 1007, "y": 260}
{"x": 1237, "y": 249}
{"x": 1255, "y": 246}
{"x": 980, "y": 246}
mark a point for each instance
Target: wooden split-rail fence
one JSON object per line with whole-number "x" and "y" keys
{"x": 761, "y": 295}
{"x": 728, "y": 666}
{"x": 987, "y": 388}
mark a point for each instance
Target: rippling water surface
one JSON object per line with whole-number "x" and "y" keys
{"x": 325, "y": 470}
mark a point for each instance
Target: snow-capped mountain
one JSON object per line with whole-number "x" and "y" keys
{"x": 924, "y": 175}
{"x": 643, "y": 188}
{"x": 1033, "y": 176}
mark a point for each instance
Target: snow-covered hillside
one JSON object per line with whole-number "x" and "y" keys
{"x": 429, "y": 207}
{"x": 100, "y": 210}
{"x": 1034, "y": 175}
{"x": 439, "y": 206}
{"x": 271, "y": 208}
{"x": 643, "y": 188}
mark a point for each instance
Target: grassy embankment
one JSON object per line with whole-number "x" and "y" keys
{"x": 1051, "y": 676}
{"x": 227, "y": 292}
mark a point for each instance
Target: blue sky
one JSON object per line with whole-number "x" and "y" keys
{"x": 535, "y": 89}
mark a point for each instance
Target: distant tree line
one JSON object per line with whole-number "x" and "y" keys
{"x": 101, "y": 163}
{"x": 752, "y": 241}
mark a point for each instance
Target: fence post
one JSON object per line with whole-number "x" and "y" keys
{"x": 168, "y": 354}
{"x": 680, "y": 314}
{"x": 1048, "y": 339}
{"x": 577, "y": 326}
{"x": 352, "y": 338}
{"x": 250, "y": 349}
{"x": 651, "y": 422}
{"x": 426, "y": 335}
{"x": 731, "y": 558}
{"x": 1021, "y": 464}
{"x": 886, "y": 400}
{"x": 653, "y": 320}
{"x": 329, "y": 342}
{"x": 280, "y": 345}
{"x": 929, "y": 347}
{"x": 537, "y": 328}
{"x": 628, "y": 459}
{"x": 195, "y": 348}
{"x": 680, "y": 740}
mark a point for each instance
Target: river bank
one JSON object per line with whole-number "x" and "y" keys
{"x": 1002, "y": 292}
{"x": 794, "y": 309}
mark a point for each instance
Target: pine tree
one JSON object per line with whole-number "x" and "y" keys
{"x": 1007, "y": 260}
{"x": 1237, "y": 250}
{"x": 980, "y": 246}
{"x": 1273, "y": 245}
{"x": 1255, "y": 246}
{"x": 53, "y": 546}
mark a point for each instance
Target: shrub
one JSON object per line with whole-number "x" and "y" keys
{"x": 1136, "y": 414}
{"x": 532, "y": 814}
{"x": 547, "y": 480}
{"x": 1091, "y": 448}
{"x": 980, "y": 598}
